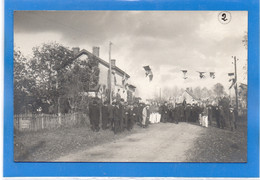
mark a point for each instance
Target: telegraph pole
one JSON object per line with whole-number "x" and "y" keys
{"x": 110, "y": 74}
{"x": 235, "y": 66}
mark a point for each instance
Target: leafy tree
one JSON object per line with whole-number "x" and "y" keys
{"x": 53, "y": 76}
{"x": 245, "y": 40}
{"x": 218, "y": 89}
{"x": 77, "y": 78}
{"x": 24, "y": 84}
{"x": 45, "y": 60}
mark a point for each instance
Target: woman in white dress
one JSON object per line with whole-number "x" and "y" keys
{"x": 152, "y": 117}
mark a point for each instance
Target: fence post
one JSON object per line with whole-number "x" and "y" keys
{"x": 59, "y": 117}
{"x": 42, "y": 121}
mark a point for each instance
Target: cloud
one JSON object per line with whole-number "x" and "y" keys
{"x": 168, "y": 41}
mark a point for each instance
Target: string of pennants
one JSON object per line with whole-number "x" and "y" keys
{"x": 201, "y": 74}
{"x": 149, "y": 73}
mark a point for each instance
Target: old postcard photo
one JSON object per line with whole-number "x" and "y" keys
{"x": 130, "y": 86}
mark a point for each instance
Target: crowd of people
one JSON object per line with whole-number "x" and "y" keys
{"x": 120, "y": 115}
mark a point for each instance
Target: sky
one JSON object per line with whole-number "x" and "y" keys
{"x": 167, "y": 41}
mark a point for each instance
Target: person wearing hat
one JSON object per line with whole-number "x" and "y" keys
{"x": 105, "y": 115}
{"x": 205, "y": 116}
{"x": 210, "y": 116}
{"x": 135, "y": 113}
{"x": 123, "y": 114}
{"x": 117, "y": 117}
{"x": 164, "y": 112}
{"x": 145, "y": 116}
{"x": 111, "y": 110}
{"x": 231, "y": 117}
{"x": 187, "y": 112}
{"x": 130, "y": 117}
{"x": 94, "y": 115}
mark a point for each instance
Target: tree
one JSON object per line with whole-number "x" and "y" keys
{"x": 205, "y": 93}
{"x": 245, "y": 40}
{"x": 218, "y": 89}
{"x": 45, "y": 58}
{"x": 24, "y": 84}
{"x": 79, "y": 77}
{"x": 53, "y": 76}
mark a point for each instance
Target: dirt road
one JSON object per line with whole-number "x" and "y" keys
{"x": 158, "y": 143}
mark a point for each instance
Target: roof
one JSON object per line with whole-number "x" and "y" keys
{"x": 192, "y": 95}
{"x": 83, "y": 51}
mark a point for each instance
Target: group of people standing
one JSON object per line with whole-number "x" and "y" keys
{"x": 120, "y": 115}
{"x": 204, "y": 115}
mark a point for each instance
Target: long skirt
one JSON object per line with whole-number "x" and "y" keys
{"x": 205, "y": 121}
{"x": 152, "y": 118}
{"x": 200, "y": 119}
{"x": 144, "y": 120}
{"x": 157, "y": 117}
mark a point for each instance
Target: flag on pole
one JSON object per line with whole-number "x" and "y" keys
{"x": 148, "y": 72}
{"x": 151, "y": 76}
{"x": 184, "y": 74}
{"x": 124, "y": 80}
{"x": 201, "y": 74}
{"x": 233, "y": 83}
{"x": 212, "y": 75}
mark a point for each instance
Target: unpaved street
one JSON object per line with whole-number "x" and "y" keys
{"x": 158, "y": 143}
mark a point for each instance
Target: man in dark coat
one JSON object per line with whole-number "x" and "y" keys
{"x": 164, "y": 113}
{"x": 125, "y": 115}
{"x": 231, "y": 118}
{"x": 217, "y": 116}
{"x": 130, "y": 118}
{"x": 175, "y": 114}
{"x": 140, "y": 113}
{"x": 171, "y": 114}
{"x": 94, "y": 115}
{"x": 187, "y": 113}
{"x": 111, "y": 115}
{"x": 210, "y": 114}
{"x": 117, "y": 117}
{"x": 192, "y": 114}
{"x": 105, "y": 115}
{"x": 135, "y": 113}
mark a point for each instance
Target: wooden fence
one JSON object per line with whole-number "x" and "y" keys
{"x": 35, "y": 122}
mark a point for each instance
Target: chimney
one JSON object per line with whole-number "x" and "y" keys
{"x": 95, "y": 51}
{"x": 113, "y": 62}
{"x": 75, "y": 50}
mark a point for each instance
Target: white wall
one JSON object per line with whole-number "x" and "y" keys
{"x": 103, "y": 75}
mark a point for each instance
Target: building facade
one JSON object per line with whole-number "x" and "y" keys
{"x": 120, "y": 86}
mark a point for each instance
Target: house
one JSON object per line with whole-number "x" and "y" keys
{"x": 189, "y": 97}
{"x": 120, "y": 84}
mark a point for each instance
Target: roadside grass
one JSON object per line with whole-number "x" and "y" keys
{"x": 47, "y": 145}
{"x": 220, "y": 145}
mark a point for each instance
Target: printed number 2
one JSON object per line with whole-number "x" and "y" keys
{"x": 224, "y": 17}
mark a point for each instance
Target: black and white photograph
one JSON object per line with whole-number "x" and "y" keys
{"x": 130, "y": 86}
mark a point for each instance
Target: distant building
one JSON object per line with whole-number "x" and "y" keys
{"x": 120, "y": 85}
{"x": 189, "y": 97}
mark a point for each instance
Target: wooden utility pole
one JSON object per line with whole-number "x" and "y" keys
{"x": 235, "y": 66}
{"x": 57, "y": 88}
{"x": 110, "y": 74}
{"x": 160, "y": 94}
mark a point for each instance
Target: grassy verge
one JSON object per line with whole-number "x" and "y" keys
{"x": 48, "y": 145}
{"x": 221, "y": 145}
